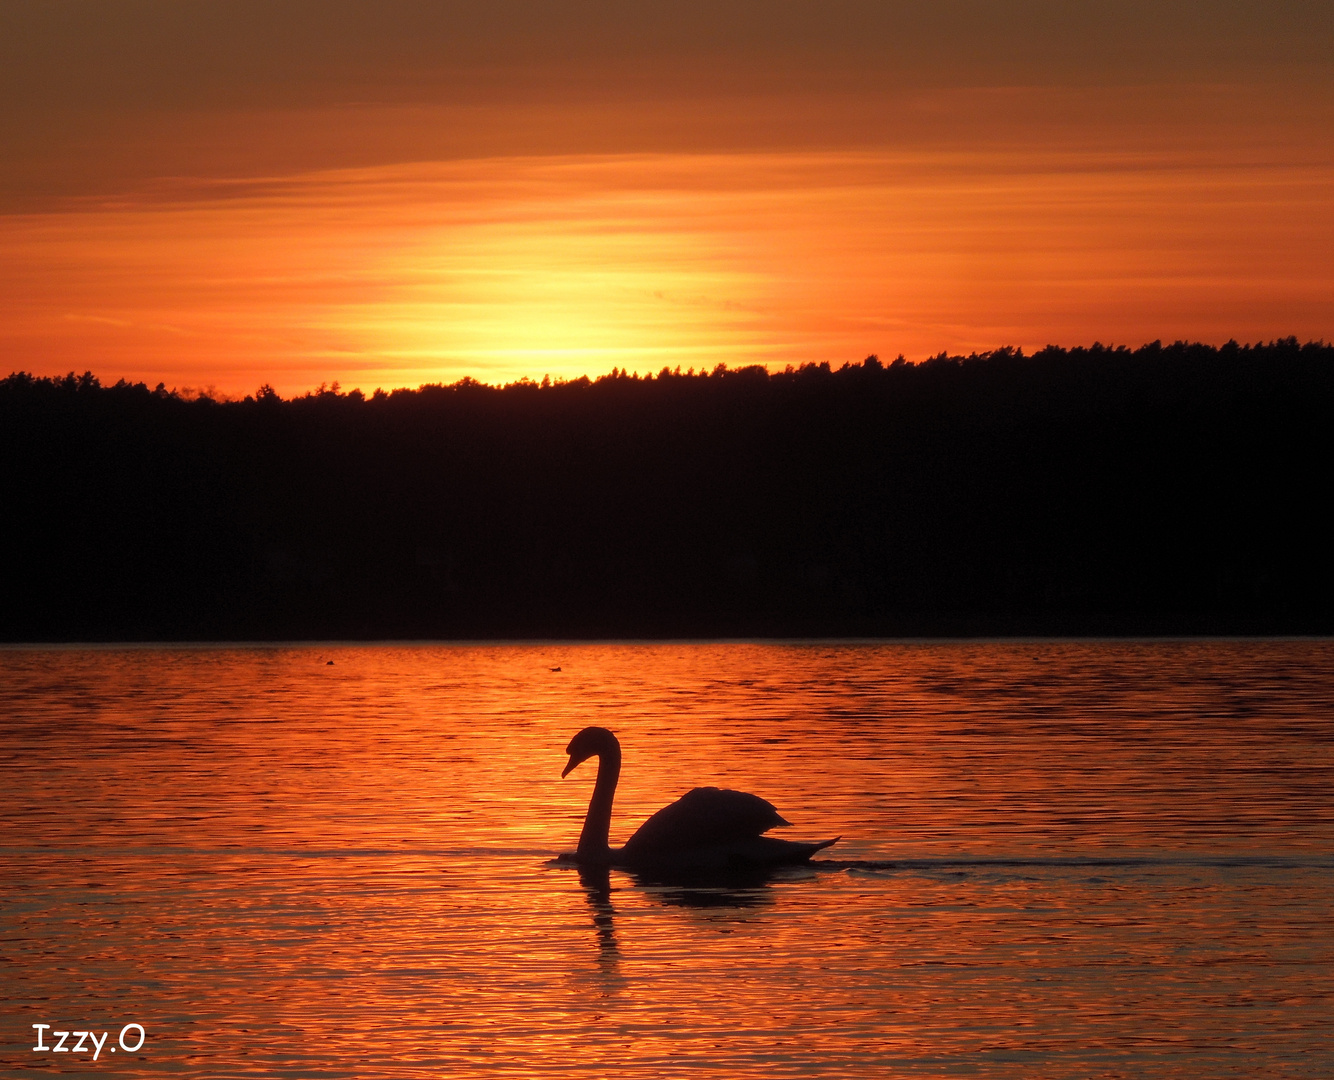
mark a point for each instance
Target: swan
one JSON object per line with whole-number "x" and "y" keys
{"x": 707, "y": 828}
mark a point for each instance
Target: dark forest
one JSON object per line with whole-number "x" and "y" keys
{"x": 1166, "y": 490}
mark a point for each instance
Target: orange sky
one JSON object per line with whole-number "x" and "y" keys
{"x": 220, "y": 195}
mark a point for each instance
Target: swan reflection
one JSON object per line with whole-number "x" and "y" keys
{"x": 596, "y": 882}
{"x": 717, "y": 891}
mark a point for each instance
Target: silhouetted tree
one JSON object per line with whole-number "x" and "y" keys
{"x": 1170, "y": 488}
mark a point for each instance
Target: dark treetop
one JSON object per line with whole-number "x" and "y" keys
{"x": 1174, "y": 489}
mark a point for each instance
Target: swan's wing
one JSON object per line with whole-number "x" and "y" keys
{"x": 703, "y": 817}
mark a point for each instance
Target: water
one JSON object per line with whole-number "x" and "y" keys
{"x": 1083, "y": 859}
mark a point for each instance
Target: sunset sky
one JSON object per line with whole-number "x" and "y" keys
{"x": 223, "y": 194}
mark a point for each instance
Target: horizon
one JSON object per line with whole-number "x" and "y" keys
{"x": 335, "y": 388}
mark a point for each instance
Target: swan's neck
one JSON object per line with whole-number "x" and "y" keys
{"x": 594, "y": 840}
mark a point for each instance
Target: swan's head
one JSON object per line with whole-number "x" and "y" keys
{"x": 590, "y": 742}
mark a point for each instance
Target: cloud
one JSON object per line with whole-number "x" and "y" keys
{"x": 101, "y": 96}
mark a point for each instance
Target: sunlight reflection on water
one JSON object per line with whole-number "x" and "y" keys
{"x": 1059, "y": 859}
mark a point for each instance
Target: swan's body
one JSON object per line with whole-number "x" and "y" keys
{"x": 706, "y": 829}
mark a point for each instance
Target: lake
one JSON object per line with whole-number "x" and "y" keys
{"x": 1058, "y": 859}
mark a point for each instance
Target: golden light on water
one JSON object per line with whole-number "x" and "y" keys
{"x": 1062, "y": 857}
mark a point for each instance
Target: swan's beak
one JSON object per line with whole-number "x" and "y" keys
{"x": 569, "y": 767}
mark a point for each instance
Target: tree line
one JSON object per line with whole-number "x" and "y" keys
{"x": 1166, "y": 489}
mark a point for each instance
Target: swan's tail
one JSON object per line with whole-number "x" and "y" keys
{"x": 794, "y": 851}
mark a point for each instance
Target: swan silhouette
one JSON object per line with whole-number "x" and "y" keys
{"x": 706, "y": 829}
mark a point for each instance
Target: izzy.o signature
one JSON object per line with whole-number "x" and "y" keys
{"x": 83, "y": 1037}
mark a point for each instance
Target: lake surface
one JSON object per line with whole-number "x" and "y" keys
{"x": 1058, "y": 859}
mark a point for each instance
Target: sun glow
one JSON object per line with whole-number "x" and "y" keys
{"x": 506, "y": 268}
